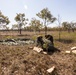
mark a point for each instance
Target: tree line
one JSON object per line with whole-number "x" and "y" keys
{"x": 35, "y": 24}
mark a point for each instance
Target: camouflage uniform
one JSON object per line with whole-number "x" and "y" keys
{"x": 48, "y": 46}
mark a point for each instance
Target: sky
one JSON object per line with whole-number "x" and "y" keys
{"x": 65, "y": 8}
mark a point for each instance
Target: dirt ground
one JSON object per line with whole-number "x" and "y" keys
{"x": 23, "y": 60}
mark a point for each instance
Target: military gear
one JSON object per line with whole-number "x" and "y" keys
{"x": 48, "y": 46}
{"x": 39, "y": 41}
{"x": 45, "y": 44}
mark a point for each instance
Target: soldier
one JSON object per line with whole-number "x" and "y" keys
{"x": 49, "y": 37}
{"x": 40, "y": 41}
{"x": 48, "y": 46}
{"x": 45, "y": 43}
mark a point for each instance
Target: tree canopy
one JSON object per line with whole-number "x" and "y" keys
{"x": 35, "y": 24}
{"x": 4, "y": 20}
{"x": 47, "y": 17}
{"x": 21, "y": 20}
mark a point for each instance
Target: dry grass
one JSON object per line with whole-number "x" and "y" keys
{"x": 20, "y": 60}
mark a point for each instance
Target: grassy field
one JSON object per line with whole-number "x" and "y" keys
{"x": 22, "y": 60}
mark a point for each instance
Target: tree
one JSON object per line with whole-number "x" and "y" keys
{"x": 15, "y": 26}
{"x": 66, "y": 25}
{"x": 47, "y": 17}
{"x": 73, "y": 26}
{"x": 35, "y": 24}
{"x": 39, "y": 25}
{"x": 59, "y": 23}
{"x": 21, "y": 20}
{"x": 4, "y": 20}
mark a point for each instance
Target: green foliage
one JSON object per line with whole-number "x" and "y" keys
{"x": 20, "y": 19}
{"x": 65, "y": 25}
{"x": 4, "y": 19}
{"x": 69, "y": 26}
{"x": 35, "y": 24}
{"x": 47, "y": 17}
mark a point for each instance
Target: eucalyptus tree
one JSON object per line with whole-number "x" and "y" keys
{"x": 47, "y": 17}
{"x": 21, "y": 20}
{"x": 4, "y": 20}
{"x": 66, "y": 26}
{"x": 36, "y": 25}
{"x": 39, "y": 25}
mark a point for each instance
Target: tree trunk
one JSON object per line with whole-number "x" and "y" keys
{"x": 20, "y": 31}
{"x": 45, "y": 30}
{"x": 45, "y": 27}
{"x": 72, "y": 29}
